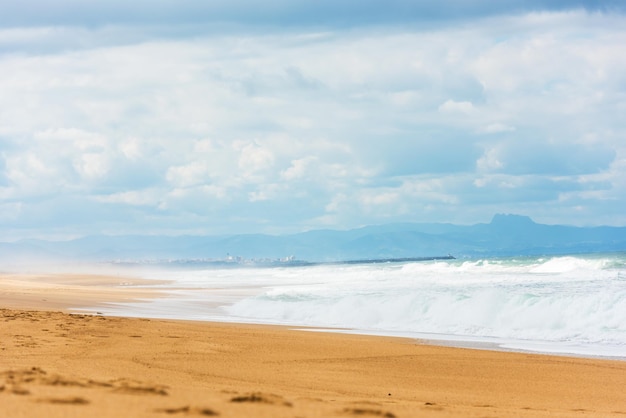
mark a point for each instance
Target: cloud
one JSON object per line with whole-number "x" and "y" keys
{"x": 490, "y": 161}
{"x": 254, "y": 159}
{"x": 291, "y": 128}
{"x": 494, "y": 128}
{"x": 299, "y": 168}
{"x": 452, "y": 106}
{"x": 543, "y": 156}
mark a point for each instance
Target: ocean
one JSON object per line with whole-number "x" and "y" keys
{"x": 574, "y": 304}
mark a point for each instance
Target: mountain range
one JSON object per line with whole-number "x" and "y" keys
{"x": 505, "y": 235}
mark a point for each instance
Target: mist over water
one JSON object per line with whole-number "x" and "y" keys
{"x": 574, "y": 304}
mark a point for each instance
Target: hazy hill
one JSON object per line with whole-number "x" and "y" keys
{"x": 504, "y": 235}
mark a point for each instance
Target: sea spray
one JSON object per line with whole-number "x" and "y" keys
{"x": 565, "y": 299}
{"x": 566, "y": 304}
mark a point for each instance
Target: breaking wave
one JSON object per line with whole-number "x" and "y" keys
{"x": 571, "y": 299}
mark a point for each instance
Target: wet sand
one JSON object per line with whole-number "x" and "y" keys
{"x": 57, "y": 364}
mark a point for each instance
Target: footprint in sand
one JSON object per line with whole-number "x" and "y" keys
{"x": 20, "y": 382}
{"x": 257, "y": 397}
{"x": 65, "y": 401}
{"x": 134, "y": 387}
{"x": 186, "y": 410}
{"x": 25, "y": 341}
{"x": 370, "y": 412}
{"x": 431, "y": 406}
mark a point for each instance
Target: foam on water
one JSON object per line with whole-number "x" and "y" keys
{"x": 562, "y": 304}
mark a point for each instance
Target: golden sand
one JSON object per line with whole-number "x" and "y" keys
{"x": 56, "y": 364}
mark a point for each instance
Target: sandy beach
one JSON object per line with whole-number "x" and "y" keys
{"x": 57, "y": 364}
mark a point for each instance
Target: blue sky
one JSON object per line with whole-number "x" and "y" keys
{"x": 282, "y": 116}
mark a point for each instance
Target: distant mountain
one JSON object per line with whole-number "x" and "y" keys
{"x": 504, "y": 235}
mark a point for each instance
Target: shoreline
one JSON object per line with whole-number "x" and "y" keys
{"x": 92, "y": 294}
{"x": 442, "y": 340}
{"x": 61, "y": 364}
{"x": 467, "y": 342}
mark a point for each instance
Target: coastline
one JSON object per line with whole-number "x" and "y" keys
{"x": 58, "y": 364}
{"x": 123, "y": 293}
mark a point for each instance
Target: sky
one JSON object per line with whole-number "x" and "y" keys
{"x": 239, "y": 116}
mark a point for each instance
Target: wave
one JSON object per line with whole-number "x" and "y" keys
{"x": 571, "y": 301}
{"x": 568, "y": 299}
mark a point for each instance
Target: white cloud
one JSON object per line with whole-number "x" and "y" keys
{"x": 131, "y": 148}
{"x": 298, "y": 168}
{"x": 490, "y": 161}
{"x": 29, "y": 175}
{"x": 341, "y": 122}
{"x": 454, "y": 106}
{"x": 254, "y": 159}
{"x": 92, "y": 165}
{"x": 196, "y": 172}
{"x": 148, "y": 197}
{"x": 494, "y": 128}
{"x": 265, "y": 192}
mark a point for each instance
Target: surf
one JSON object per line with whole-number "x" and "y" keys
{"x": 573, "y": 303}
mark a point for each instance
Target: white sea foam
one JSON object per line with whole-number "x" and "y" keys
{"x": 556, "y": 302}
